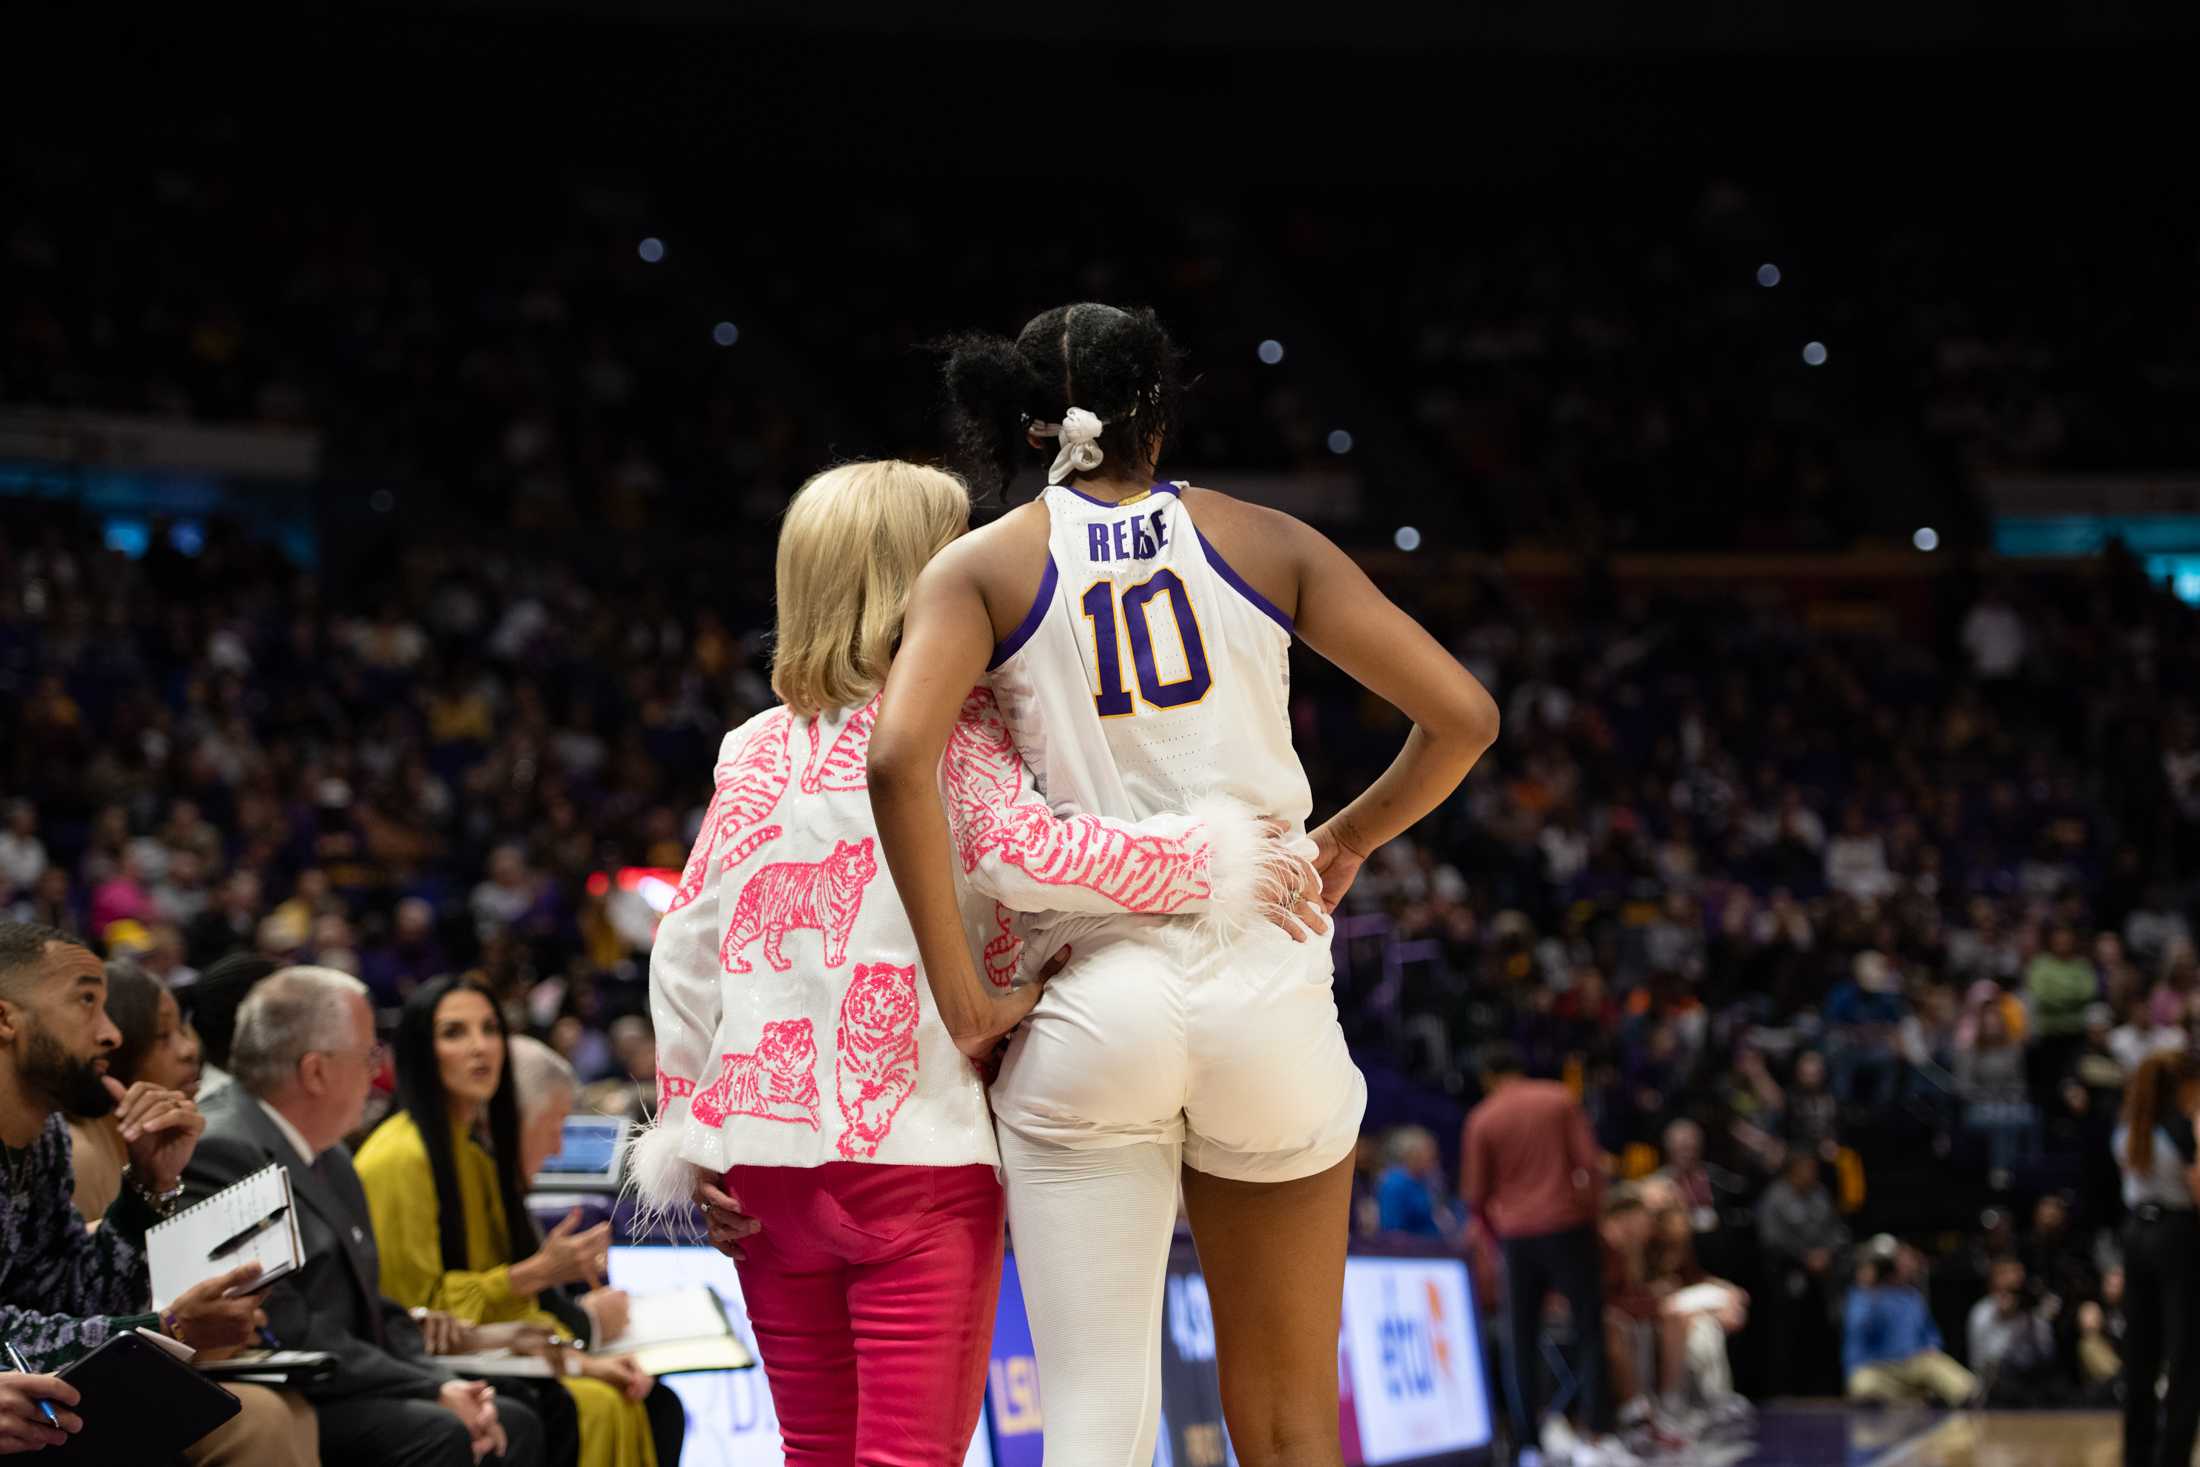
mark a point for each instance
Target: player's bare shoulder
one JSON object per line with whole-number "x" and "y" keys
{"x": 1003, "y": 560}
{"x": 1267, "y": 546}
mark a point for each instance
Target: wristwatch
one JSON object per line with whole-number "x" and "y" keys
{"x": 163, "y": 1203}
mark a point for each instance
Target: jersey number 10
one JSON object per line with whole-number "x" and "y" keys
{"x": 1114, "y": 699}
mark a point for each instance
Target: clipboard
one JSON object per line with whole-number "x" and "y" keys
{"x": 254, "y": 1221}
{"x": 141, "y": 1403}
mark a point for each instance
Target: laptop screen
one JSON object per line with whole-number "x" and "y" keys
{"x": 590, "y": 1149}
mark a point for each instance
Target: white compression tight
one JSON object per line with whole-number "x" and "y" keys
{"x": 1091, "y": 1231}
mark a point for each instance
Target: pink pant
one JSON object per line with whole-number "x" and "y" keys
{"x": 872, "y": 1291}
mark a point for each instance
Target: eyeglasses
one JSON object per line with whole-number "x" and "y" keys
{"x": 372, "y": 1057}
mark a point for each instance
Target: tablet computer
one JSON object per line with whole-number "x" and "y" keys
{"x": 591, "y": 1158}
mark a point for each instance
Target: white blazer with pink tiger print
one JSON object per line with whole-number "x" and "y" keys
{"x": 793, "y": 1025}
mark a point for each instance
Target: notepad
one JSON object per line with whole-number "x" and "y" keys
{"x": 676, "y": 1331}
{"x": 255, "y": 1221}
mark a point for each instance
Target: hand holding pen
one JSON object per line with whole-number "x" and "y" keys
{"x": 29, "y": 1419}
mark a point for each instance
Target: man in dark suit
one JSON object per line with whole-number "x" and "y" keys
{"x": 305, "y": 1056}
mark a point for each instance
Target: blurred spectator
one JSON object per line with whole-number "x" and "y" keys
{"x": 2059, "y": 985}
{"x": 2012, "y": 1341}
{"x": 231, "y": 922}
{"x": 2142, "y": 1036}
{"x": 1864, "y": 1014}
{"x": 1529, "y": 1169}
{"x": 1990, "y": 1079}
{"x": 2099, "y": 1362}
{"x": 1812, "y": 1111}
{"x": 1409, "y": 1197}
{"x": 1891, "y": 1350}
{"x": 1856, "y": 859}
{"x": 1696, "y": 1314}
{"x": 22, "y": 853}
{"x": 123, "y": 896}
{"x": 1698, "y": 1188}
{"x": 1994, "y": 636}
{"x": 509, "y": 894}
{"x": 1801, "y": 1235}
{"x": 410, "y": 956}
{"x": 631, "y": 1089}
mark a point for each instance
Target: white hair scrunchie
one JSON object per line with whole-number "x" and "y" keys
{"x": 1080, "y": 453}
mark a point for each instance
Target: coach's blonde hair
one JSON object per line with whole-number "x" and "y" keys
{"x": 850, "y": 549}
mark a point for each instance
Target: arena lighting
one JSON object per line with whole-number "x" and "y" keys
{"x": 1271, "y": 351}
{"x": 725, "y": 333}
{"x": 652, "y": 250}
{"x": 653, "y": 884}
{"x": 1407, "y": 538}
{"x": 1814, "y": 353}
{"x": 1340, "y": 441}
{"x": 1768, "y": 275}
{"x": 1926, "y": 539}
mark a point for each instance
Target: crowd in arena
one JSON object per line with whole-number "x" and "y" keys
{"x": 543, "y": 348}
{"x": 1847, "y": 943}
{"x": 1788, "y": 910}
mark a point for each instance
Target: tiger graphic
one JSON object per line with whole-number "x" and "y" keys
{"x": 1005, "y": 951}
{"x": 1138, "y": 873}
{"x": 822, "y": 895}
{"x": 844, "y": 766}
{"x": 746, "y": 788}
{"x": 877, "y": 1066}
{"x": 778, "y": 1082}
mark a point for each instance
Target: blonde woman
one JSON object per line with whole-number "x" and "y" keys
{"x": 805, "y": 1079}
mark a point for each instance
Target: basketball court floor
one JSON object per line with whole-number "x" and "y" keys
{"x": 1831, "y": 1436}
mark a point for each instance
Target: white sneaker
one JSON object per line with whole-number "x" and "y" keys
{"x": 1606, "y": 1451}
{"x": 1561, "y": 1448}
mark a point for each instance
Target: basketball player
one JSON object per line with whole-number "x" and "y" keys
{"x": 804, "y": 1083}
{"x": 1137, "y": 636}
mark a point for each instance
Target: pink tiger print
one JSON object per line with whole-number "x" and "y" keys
{"x": 747, "y": 788}
{"x": 877, "y": 1066}
{"x": 776, "y": 1083}
{"x": 821, "y": 895}
{"x": 671, "y": 1087}
{"x": 844, "y": 767}
{"x": 1005, "y": 953}
{"x": 1137, "y": 873}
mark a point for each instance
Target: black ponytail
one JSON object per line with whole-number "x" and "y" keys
{"x": 1118, "y": 365}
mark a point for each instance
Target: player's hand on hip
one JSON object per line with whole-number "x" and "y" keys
{"x": 1010, "y": 1007}
{"x": 1289, "y": 887}
{"x": 1338, "y": 861}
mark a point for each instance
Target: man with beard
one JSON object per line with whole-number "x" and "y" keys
{"x": 63, "y": 1289}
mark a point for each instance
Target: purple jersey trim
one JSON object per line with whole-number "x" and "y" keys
{"x": 1114, "y": 503}
{"x": 1032, "y": 618}
{"x": 1238, "y": 583}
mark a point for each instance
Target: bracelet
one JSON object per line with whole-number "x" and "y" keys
{"x": 163, "y": 1203}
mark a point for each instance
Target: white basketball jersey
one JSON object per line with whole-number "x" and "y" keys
{"x": 1148, "y": 673}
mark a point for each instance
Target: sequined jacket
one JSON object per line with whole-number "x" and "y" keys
{"x": 794, "y": 1026}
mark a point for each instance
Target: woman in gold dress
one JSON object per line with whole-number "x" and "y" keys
{"x": 450, "y": 1216}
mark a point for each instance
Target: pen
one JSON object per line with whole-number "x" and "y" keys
{"x": 237, "y": 1240}
{"x": 45, "y": 1407}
